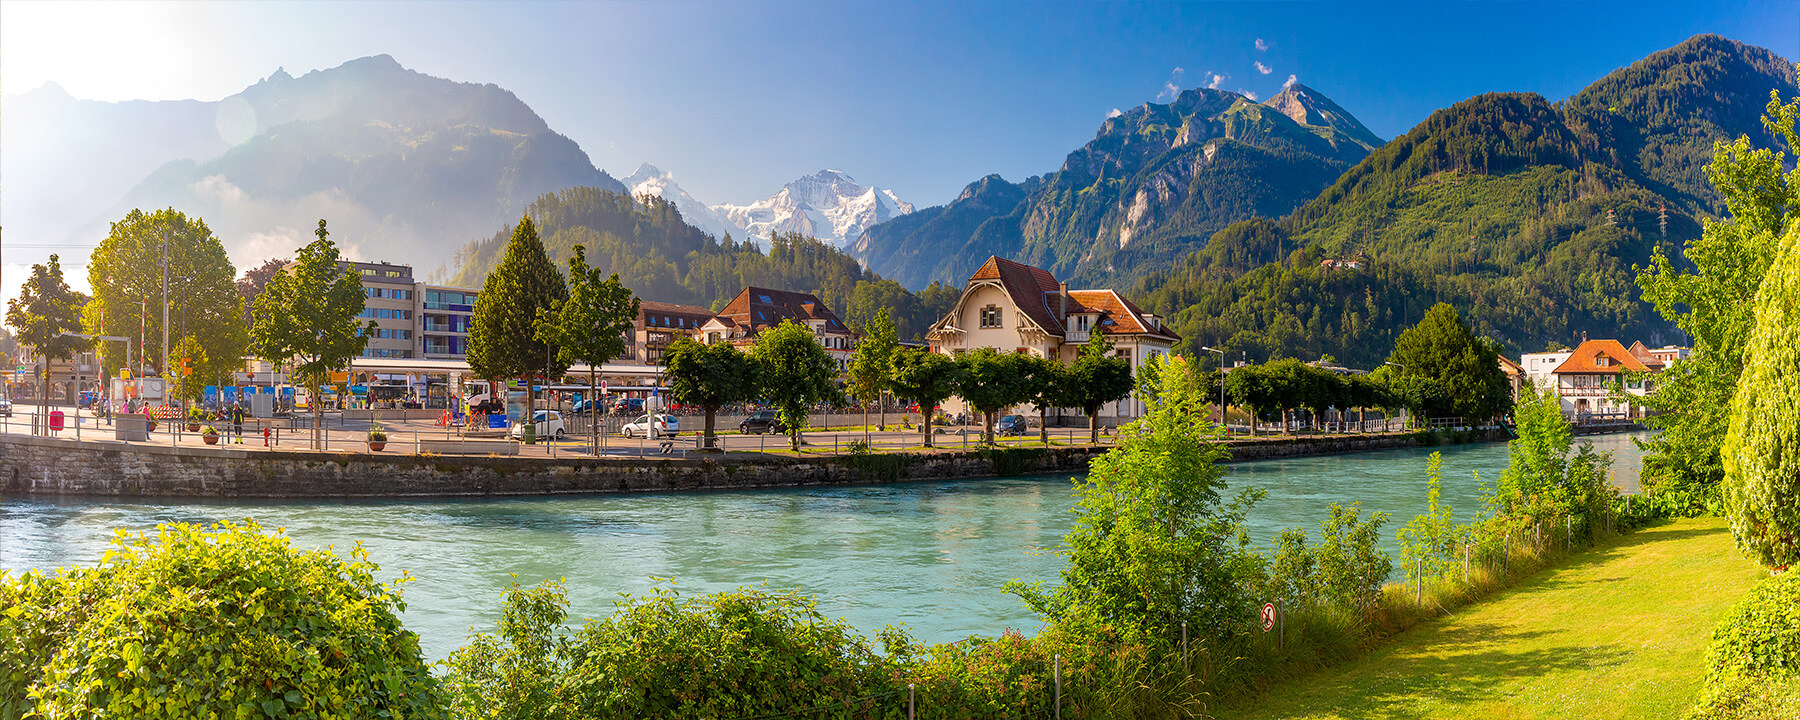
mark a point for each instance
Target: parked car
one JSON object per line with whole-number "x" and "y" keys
{"x": 652, "y": 426}
{"x": 1010, "y": 425}
{"x": 587, "y": 407}
{"x": 6, "y": 407}
{"x": 762, "y": 422}
{"x": 547, "y": 424}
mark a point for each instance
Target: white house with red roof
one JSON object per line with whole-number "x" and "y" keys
{"x": 1014, "y": 307}
{"x": 1584, "y": 378}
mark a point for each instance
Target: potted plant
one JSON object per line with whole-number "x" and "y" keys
{"x": 195, "y": 417}
{"x": 210, "y": 435}
{"x": 377, "y": 440}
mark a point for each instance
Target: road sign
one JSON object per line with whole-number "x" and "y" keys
{"x": 1268, "y": 616}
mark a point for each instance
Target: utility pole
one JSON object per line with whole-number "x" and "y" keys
{"x": 165, "y": 318}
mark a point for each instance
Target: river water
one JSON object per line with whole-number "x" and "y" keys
{"x": 932, "y": 555}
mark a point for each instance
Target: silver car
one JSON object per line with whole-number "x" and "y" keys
{"x": 652, "y": 426}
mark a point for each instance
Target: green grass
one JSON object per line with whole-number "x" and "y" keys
{"x": 1618, "y": 632}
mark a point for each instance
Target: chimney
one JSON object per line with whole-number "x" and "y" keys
{"x": 1062, "y": 315}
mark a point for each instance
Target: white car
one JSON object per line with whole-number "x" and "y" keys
{"x": 547, "y": 424}
{"x": 652, "y": 426}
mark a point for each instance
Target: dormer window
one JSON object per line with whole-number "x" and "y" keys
{"x": 1081, "y": 323}
{"x": 990, "y": 316}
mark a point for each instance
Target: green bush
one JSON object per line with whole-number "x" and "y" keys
{"x": 222, "y": 622}
{"x": 736, "y": 654}
{"x": 1753, "y": 666}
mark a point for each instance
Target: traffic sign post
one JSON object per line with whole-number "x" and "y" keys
{"x": 1268, "y": 616}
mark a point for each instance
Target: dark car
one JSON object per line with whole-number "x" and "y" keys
{"x": 762, "y": 421}
{"x": 1010, "y": 425}
{"x": 629, "y": 406}
{"x": 585, "y": 407}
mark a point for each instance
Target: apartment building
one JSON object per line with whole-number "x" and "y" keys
{"x": 414, "y": 320}
{"x": 657, "y": 325}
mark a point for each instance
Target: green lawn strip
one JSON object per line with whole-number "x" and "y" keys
{"x": 1617, "y": 632}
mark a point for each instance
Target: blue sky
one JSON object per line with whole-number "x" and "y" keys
{"x": 921, "y": 97}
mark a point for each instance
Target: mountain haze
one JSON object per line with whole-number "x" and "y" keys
{"x": 1152, "y": 185}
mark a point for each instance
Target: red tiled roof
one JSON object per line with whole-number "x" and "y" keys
{"x": 1032, "y": 290}
{"x": 1127, "y": 318}
{"x": 1583, "y": 359}
{"x": 756, "y": 309}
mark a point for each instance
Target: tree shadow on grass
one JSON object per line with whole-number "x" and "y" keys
{"x": 1475, "y": 669}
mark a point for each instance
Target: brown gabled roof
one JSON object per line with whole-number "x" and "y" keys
{"x": 1582, "y": 360}
{"x": 1122, "y": 317}
{"x": 1032, "y": 290}
{"x": 1644, "y": 356}
{"x": 1509, "y": 367}
{"x": 756, "y": 309}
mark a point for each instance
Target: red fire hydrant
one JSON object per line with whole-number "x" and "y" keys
{"x": 266, "y": 433}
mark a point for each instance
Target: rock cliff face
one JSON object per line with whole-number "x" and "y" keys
{"x": 1152, "y": 185}
{"x": 828, "y": 205}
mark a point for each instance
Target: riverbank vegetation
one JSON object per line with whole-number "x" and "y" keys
{"x": 1156, "y": 614}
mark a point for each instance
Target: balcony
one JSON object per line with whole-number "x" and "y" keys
{"x": 452, "y": 307}
{"x": 1076, "y": 336}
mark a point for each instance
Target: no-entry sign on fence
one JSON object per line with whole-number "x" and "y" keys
{"x": 1268, "y": 616}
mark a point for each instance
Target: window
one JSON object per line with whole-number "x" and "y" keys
{"x": 368, "y": 272}
{"x": 394, "y": 273}
{"x": 990, "y": 316}
{"x": 1081, "y": 323}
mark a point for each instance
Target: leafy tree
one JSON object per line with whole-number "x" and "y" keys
{"x": 503, "y": 339}
{"x": 1363, "y": 392}
{"x": 1248, "y": 387}
{"x": 189, "y": 622}
{"x": 871, "y": 366}
{"x": 255, "y": 279}
{"x": 1431, "y": 537}
{"x": 795, "y": 373}
{"x": 926, "y": 378}
{"x": 1443, "y": 349}
{"x": 709, "y": 376}
{"x": 1762, "y": 448}
{"x": 42, "y": 315}
{"x": 1349, "y": 564}
{"x": 991, "y": 381}
{"x": 308, "y": 316}
{"x": 1154, "y": 545}
{"x": 590, "y": 326}
{"x": 187, "y": 358}
{"x": 1099, "y": 378}
{"x": 1046, "y": 385}
{"x": 126, "y": 272}
{"x": 1691, "y": 405}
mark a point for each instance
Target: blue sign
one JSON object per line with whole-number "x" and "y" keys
{"x": 228, "y": 395}
{"x": 210, "y": 396}
{"x": 496, "y": 422}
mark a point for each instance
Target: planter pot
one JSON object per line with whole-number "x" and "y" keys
{"x": 377, "y": 445}
{"x": 193, "y": 427}
{"x": 210, "y": 439}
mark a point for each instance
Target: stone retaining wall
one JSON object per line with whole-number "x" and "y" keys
{"x": 57, "y": 466}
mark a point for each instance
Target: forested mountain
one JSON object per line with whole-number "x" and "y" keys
{"x": 1527, "y": 215}
{"x": 403, "y": 164}
{"x": 660, "y": 257}
{"x": 1152, "y": 186}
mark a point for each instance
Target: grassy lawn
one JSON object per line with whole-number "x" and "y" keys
{"x": 1618, "y": 632}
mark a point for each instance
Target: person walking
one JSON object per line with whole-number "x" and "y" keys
{"x": 237, "y": 422}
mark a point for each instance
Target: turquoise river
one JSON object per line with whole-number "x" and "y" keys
{"x": 932, "y": 555}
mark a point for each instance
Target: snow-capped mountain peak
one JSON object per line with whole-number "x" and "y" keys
{"x": 829, "y": 205}
{"x": 653, "y": 181}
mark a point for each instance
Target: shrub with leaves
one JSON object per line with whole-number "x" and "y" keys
{"x": 1753, "y": 666}
{"x": 223, "y": 622}
{"x": 1431, "y": 540}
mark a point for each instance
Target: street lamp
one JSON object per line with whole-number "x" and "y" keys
{"x": 1405, "y": 414}
{"x": 1221, "y": 353}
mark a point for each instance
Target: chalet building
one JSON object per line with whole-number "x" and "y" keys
{"x": 1013, "y": 307}
{"x": 757, "y": 309}
{"x": 657, "y": 325}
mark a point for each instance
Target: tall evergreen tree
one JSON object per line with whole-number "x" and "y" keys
{"x": 42, "y": 315}
{"x": 1762, "y": 448}
{"x": 503, "y": 339}
{"x": 310, "y": 315}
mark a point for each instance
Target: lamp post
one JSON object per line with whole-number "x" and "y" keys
{"x": 1222, "y": 422}
{"x": 1405, "y": 414}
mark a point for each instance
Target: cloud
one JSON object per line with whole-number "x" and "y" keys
{"x": 1291, "y": 80}
{"x": 1249, "y": 94}
{"x": 1214, "y": 80}
{"x": 1113, "y": 113}
{"x": 1261, "y": 45}
{"x": 1171, "y": 88}
{"x": 1264, "y": 69}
